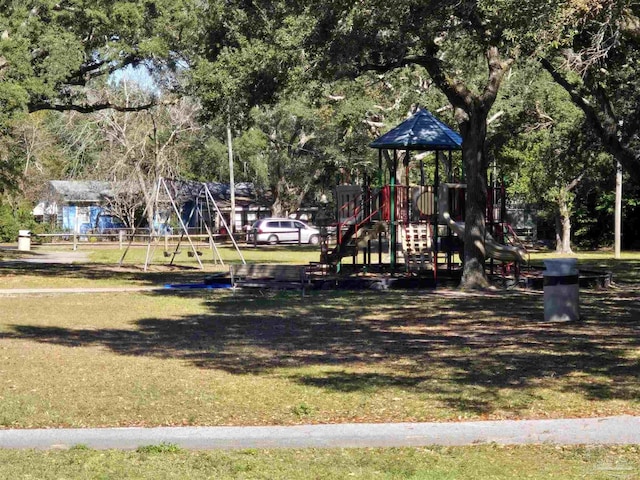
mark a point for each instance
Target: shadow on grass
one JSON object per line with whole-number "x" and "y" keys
{"x": 428, "y": 343}
{"x": 14, "y": 263}
{"x": 92, "y": 271}
{"x": 624, "y": 271}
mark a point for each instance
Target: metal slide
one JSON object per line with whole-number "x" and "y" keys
{"x": 494, "y": 249}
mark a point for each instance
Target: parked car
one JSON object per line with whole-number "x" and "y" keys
{"x": 283, "y": 230}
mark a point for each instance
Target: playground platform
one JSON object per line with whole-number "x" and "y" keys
{"x": 361, "y": 277}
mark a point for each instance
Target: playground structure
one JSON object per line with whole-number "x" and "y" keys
{"x": 183, "y": 204}
{"x": 414, "y": 230}
{"x": 417, "y": 229}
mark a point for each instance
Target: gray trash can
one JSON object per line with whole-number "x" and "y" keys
{"x": 24, "y": 240}
{"x": 561, "y": 290}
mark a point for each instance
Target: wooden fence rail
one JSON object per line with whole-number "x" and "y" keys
{"x": 122, "y": 238}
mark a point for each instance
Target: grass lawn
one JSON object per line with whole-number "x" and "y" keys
{"x": 204, "y": 358}
{"x": 100, "y": 268}
{"x": 214, "y": 358}
{"x": 486, "y": 462}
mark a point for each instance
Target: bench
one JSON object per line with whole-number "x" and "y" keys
{"x": 270, "y": 276}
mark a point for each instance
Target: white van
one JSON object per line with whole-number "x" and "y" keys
{"x": 283, "y": 230}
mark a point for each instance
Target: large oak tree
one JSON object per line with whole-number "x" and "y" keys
{"x": 594, "y": 58}
{"x": 445, "y": 38}
{"x": 52, "y": 51}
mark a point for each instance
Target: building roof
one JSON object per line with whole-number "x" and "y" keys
{"x": 182, "y": 191}
{"x": 421, "y": 131}
{"x": 185, "y": 190}
{"x": 246, "y": 194}
{"x": 87, "y": 191}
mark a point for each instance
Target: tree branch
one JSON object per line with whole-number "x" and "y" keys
{"x": 96, "y": 69}
{"x": 576, "y": 97}
{"x": 608, "y": 134}
{"x": 574, "y": 183}
{"x": 497, "y": 70}
{"x": 456, "y": 92}
{"x": 90, "y": 108}
{"x": 495, "y": 117}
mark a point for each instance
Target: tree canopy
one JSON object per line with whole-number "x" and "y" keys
{"x": 54, "y": 53}
{"x": 304, "y": 86}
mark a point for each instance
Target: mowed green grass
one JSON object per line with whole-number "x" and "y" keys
{"x": 486, "y": 462}
{"x": 260, "y": 358}
{"x": 101, "y": 265}
{"x": 214, "y": 358}
{"x": 101, "y": 268}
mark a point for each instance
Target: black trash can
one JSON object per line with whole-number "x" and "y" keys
{"x": 561, "y": 290}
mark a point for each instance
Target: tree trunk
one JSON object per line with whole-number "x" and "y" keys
{"x": 472, "y": 110}
{"x": 277, "y": 209}
{"x": 473, "y": 132}
{"x": 563, "y": 226}
{"x": 279, "y": 206}
{"x": 149, "y": 200}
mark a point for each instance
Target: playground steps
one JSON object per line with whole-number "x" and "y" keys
{"x": 354, "y": 237}
{"x": 417, "y": 247}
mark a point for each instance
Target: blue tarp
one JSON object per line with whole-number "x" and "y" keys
{"x": 69, "y": 218}
{"x": 421, "y": 131}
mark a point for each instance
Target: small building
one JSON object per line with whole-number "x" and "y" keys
{"x": 523, "y": 218}
{"x": 67, "y": 204}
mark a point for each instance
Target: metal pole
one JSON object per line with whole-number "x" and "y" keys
{"x": 184, "y": 228}
{"x": 232, "y": 187}
{"x": 224, "y": 223}
{"x": 436, "y": 210}
{"x": 392, "y": 213}
{"x": 380, "y": 198}
{"x": 407, "y": 190}
{"x": 618, "y": 211}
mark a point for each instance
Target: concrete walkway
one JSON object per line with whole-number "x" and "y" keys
{"x": 596, "y": 431}
{"x": 45, "y": 291}
{"x": 64, "y": 257}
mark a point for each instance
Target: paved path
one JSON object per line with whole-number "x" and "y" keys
{"x": 601, "y": 431}
{"x": 53, "y": 257}
{"x": 40, "y": 291}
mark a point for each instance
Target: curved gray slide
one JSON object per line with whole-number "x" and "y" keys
{"x": 494, "y": 249}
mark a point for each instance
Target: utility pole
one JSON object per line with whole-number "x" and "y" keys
{"x": 232, "y": 185}
{"x": 618, "y": 211}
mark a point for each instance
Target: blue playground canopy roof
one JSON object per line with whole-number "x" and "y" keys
{"x": 421, "y": 131}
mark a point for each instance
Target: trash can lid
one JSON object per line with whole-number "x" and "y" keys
{"x": 561, "y": 266}
{"x": 24, "y": 233}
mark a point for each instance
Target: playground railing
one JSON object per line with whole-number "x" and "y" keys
{"x": 355, "y": 222}
{"x": 515, "y": 240}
